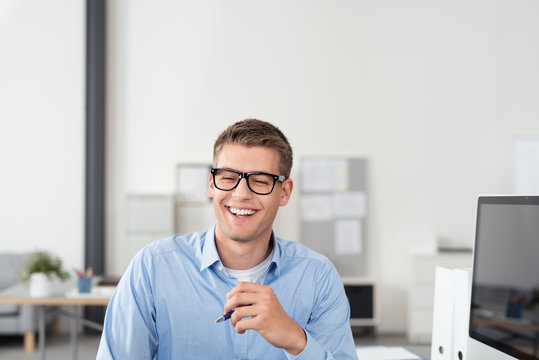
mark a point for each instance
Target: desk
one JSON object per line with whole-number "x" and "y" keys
{"x": 19, "y": 295}
{"x": 386, "y": 353}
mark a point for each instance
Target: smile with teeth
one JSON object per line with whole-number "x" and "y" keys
{"x": 241, "y": 212}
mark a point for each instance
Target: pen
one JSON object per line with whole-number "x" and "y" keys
{"x": 227, "y": 315}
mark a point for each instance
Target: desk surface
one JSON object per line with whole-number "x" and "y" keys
{"x": 18, "y": 294}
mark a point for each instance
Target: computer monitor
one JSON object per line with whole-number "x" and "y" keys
{"x": 504, "y": 311}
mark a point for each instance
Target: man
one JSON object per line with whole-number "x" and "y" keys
{"x": 284, "y": 300}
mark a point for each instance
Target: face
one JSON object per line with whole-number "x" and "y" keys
{"x": 241, "y": 214}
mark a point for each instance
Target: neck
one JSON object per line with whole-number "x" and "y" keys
{"x": 242, "y": 255}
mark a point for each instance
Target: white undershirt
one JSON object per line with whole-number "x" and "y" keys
{"x": 253, "y": 274}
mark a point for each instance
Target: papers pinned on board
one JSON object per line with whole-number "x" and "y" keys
{"x": 334, "y": 204}
{"x": 345, "y": 210}
{"x": 325, "y": 175}
{"x": 317, "y": 207}
{"x": 349, "y": 204}
{"x": 327, "y": 207}
{"x": 348, "y": 237}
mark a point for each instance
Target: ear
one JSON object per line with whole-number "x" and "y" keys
{"x": 211, "y": 187}
{"x": 286, "y": 191}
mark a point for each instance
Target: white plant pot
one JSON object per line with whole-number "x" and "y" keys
{"x": 40, "y": 285}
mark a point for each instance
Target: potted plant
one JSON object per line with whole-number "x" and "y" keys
{"x": 39, "y": 270}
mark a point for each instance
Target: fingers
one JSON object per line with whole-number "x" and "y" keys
{"x": 246, "y": 324}
{"x": 257, "y": 308}
{"x": 249, "y": 300}
{"x": 246, "y": 287}
{"x": 245, "y": 294}
{"x": 243, "y": 314}
{"x": 239, "y": 300}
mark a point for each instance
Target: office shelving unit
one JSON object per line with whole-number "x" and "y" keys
{"x": 193, "y": 209}
{"x": 333, "y": 221}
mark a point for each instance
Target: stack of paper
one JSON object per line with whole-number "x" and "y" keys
{"x": 385, "y": 353}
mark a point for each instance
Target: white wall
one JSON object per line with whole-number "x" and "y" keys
{"x": 42, "y": 127}
{"x": 431, "y": 92}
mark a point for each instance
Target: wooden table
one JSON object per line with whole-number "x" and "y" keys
{"x": 19, "y": 295}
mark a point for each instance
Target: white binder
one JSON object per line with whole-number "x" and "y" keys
{"x": 442, "y": 320}
{"x": 452, "y": 293}
{"x": 461, "y": 312}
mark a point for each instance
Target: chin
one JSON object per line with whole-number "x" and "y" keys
{"x": 239, "y": 238}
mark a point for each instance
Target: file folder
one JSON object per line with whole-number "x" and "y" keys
{"x": 442, "y": 319}
{"x": 461, "y": 312}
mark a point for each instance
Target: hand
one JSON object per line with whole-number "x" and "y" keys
{"x": 265, "y": 315}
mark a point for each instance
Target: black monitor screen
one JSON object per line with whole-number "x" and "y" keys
{"x": 505, "y": 290}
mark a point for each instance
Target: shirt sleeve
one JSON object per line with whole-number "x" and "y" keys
{"x": 329, "y": 335}
{"x": 129, "y": 330}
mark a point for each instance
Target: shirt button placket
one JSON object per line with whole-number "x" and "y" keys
{"x": 241, "y": 342}
{"x": 244, "y": 340}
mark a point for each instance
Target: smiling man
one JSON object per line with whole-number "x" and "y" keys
{"x": 282, "y": 300}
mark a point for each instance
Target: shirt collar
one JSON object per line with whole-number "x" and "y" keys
{"x": 209, "y": 251}
{"x": 276, "y": 259}
{"x": 210, "y": 255}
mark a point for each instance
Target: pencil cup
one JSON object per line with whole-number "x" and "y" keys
{"x": 84, "y": 284}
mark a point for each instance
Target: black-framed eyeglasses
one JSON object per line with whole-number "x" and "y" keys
{"x": 260, "y": 183}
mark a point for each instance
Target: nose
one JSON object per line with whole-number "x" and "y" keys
{"x": 242, "y": 191}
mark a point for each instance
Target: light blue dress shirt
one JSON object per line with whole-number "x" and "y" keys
{"x": 167, "y": 301}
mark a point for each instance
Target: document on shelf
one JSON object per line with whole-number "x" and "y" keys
{"x": 385, "y": 353}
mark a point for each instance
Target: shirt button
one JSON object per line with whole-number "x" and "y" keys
{"x": 220, "y": 268}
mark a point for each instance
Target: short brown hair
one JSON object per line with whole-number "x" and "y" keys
{"x": 253, "y": 132}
